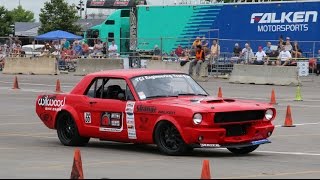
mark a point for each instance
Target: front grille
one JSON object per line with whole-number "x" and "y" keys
{"x": 238, "y": 116}
{"x": 236, "y": 130}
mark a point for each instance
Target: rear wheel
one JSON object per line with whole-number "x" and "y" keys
{"x": 169, "y": 140}
{"x": 68, "y": 132}
{"x": 243, "y": 150}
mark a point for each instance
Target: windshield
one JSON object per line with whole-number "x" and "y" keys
{"x": 166, "y": 85}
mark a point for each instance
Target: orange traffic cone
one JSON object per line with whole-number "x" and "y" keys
{"x": 220, "y": 93}
{"x": 273, "y": 98}
{"x": 58, "y": 88}
{"x": 288, "y": 120}
{"x": 77, "y": 172}
{"x": 15, "y": 84}
{"x": 205, "y": 174}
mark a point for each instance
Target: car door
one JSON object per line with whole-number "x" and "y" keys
{"x": 109, "y": 110}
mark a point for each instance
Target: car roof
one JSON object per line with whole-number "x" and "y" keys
{"x": 130, "y": 73}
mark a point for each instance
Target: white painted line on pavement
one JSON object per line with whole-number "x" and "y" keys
{"x": 267, "y": 99}
{"x": 302, "y": 124}
{"x": 20, "y": 123}
{"x": 34, "y": 84}
{"x": 289, "y": 153}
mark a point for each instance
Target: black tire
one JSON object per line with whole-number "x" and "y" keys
{"x": 169, "y": 140}
{"x": 68, "y": 132}
{"x": 243, "y": 150}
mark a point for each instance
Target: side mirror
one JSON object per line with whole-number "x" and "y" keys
{"x": 121, "y": 96}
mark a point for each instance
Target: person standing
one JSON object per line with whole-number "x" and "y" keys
{"x": 318, "y": 64}
{"x": 200, "y": 57}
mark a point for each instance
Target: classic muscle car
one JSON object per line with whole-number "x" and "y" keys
{"x": 162, "y": 107}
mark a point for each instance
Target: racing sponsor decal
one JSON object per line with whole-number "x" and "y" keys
{"x": 87, "y": 117}
{"x": 210, "y": 145}
{"x": 111, "y": 122}
{"x": 262, "y": 141}
{"x": 142, "y": 95}
{"x": 284, "y": 21}
{"x": 167, "y": 112}
{"x": 50, "y": 103}
{"x": 142, "y": 78}
{"x": 147, "y": 109}
{"x": 130, "y": 120}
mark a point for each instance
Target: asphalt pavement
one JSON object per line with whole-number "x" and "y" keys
{"x": 29, "y": 150}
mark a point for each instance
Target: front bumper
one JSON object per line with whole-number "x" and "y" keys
{"x": 238, "y": 145}
{"x": 217, "y": 137}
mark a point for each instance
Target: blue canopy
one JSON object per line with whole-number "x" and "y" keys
{"x": 57, "y": 35}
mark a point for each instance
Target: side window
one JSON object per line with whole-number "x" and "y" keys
{"x": 110, "y": 37}
{"x": 106, "y": 88}
{"x": 125, "y": 13}
{"x": 110, "y": 22}
{"x": 96, "y": 88}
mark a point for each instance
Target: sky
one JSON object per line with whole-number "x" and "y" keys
{"x": 36, "y": 5}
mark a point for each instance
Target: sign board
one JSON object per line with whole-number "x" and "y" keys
{"x": 303, "y": 68}
{"x": 114, "y": 4}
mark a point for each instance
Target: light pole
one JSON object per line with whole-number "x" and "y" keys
{"x": 80, "y": 7}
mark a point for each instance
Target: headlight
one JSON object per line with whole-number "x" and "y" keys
{"x": 269, "y": 114}
{"x": 197, "y": 118}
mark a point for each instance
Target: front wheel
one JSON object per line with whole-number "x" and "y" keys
{"x": 169, "y": 140}
{"x": 68, "y": 132}
{"x": 243, "y": 150}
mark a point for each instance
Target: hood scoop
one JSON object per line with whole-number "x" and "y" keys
{"x": 211, "y": 100}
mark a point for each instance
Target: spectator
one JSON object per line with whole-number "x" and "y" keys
{"x": 284, "y": 57}
{"x": 97, "y": 48}
{"x": 318, "y": 64}
{"x": 196, "y": 42}
{"x": 215, "y": 50}
{"x": 186, "y": 54}
{"x": 113, "y": 48}
{"x": 105, "y": 49}
{"x": 205, "y": 44}
{"x": 76, "y": 41}
{"x": 246, "y": 53}
{"x": 236, "y": 50}
{"x": 260, "y": 57}
{"x": 267, "y": 49}
{"x": 281, "y": 42}
{"x": 288, "y": 45}
{"x": 179, "y": 51}
{"x": 156, "y": 53}
{"x": 296, "y": 51}
{"x": 2, "y": 57}
{"x": 85, "y": 49}
{"x": 156, "y": 50}
{"x": 200, "y": 56}
{"x": 272, "y": 56}
{"x": 77, "y": 48}
{"x": 66, "y": 43}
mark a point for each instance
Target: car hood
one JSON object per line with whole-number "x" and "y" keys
{"x": 210, "y": 104}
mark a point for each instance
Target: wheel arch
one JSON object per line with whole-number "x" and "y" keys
{"x": 74, "y": 115}
{"x": 168, "y": 119}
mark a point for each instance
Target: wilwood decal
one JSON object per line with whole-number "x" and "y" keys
{"x": 51, "y": 103}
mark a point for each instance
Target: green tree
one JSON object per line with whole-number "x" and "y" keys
{"x": 21, "y": 15}
{"x": 6, "y": 21}
{"x": 58, "y": 15}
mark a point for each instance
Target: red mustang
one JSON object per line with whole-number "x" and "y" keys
{"x": 166, "y": 108}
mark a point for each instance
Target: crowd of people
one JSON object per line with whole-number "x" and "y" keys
{"x": 285, "y": 53}
{"x": 64, "y": 50}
